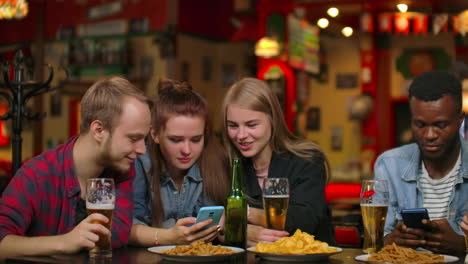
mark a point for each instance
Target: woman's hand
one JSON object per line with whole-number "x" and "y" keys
{"x": 257, "y": 234}
{"x": 256, "y": 217}
{"x": 181, "y": 234}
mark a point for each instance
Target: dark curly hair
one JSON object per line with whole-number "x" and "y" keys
{"x": 433, "y": 85}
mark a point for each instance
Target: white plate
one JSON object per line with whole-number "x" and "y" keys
{"x": 194, "y": 258}
{"x": 447, "y": 259}
{"x": 294, "y": 257}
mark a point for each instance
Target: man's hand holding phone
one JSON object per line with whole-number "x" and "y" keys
{"x": 413, "y": 218}
{"x": 410, "y": 233}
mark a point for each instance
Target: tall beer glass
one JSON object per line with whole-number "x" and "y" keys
{"x": 275, "y": 202}
{"x": 100, "y": 198}
{"x": 374, "y": 207}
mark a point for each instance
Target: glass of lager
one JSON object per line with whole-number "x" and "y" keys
{"x": 100, "y": 198}
{"x": 374, "y": 206}
{"x": 275, "y": 202}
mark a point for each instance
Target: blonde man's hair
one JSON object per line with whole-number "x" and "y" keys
{"x": 103, "y": 102}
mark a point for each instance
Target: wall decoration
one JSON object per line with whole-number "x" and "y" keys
{"x": 207, "y": 68}
{"x": 304, "y": 48}
{"x": 56, "y": 104}
{"x": 413, "y": 62}
{"x": 104, "y": 10}
{"x": 66, "y": 32}
{"x": 360, "y": 106}
{"x": 346, "y": 80}
{"x": 228, "y": 74}
{"x": 274, "y": 77}
{"x": 336, "y": 138}
{"x": 138, "y": 25}
{"x": 147, "y": 67}
{"x": 313, "y": 119}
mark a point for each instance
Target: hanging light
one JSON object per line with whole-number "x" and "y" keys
{"x": 323, "y": 23}
{"x": 347, "y": 31}
{"x": 333, "y": 11}
{"x": 402, "y": 7}
{"x": 267, "y": 48}
{"x": 13, "y": 9}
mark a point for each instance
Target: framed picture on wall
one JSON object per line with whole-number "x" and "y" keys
{"x": 346, "y": 80}
{"x": 228, "y": 72}
{"x": 313, "y": 119}
{"x": 337, "y": 138}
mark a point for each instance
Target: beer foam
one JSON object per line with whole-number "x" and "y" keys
{"x": 100, "y": 206}
{"x": 276, "y": 196}
{"x": 375, "y": 205}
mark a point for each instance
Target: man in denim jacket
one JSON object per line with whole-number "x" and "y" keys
{"x": 432, "y": 172}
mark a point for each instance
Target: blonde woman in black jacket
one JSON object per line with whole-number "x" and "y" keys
{"x": 255, "y": 130}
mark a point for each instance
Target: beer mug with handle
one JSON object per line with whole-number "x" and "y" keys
{"x": 374, "y": 207}
{"x": 275, "y": 202}
{"x": 100, "y": 198}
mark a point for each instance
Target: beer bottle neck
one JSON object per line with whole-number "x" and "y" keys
{"x": 236, "y": 187}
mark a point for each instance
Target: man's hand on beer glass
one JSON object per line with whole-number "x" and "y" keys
{"x": 85, "y": 234}
{"x": 182, "y": 234}
{"x": 464, "y": 224}
{"x": 405, "y": 236}
{"x": 442, "y": 238}
{"x": 257, "y": 234}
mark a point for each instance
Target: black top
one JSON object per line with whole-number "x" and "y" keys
{"x": 81, "y": 213}
{"x": 307, "y": 210}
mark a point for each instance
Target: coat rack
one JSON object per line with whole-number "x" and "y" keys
{"x": 20, "y": 92}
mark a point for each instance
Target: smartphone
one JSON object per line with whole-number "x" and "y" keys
{"x": 207, "y": 212}
{"x": 413, "y": 217}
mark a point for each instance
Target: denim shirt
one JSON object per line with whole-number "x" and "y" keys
{"x": 401, "y": 167}
{"x": 177, "y": 204}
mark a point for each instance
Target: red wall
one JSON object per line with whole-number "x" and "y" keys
{"x": 209, "y": 18}
{"x": 67, "y": 13}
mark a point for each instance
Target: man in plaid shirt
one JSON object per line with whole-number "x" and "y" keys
{"x": 42, "y": 210}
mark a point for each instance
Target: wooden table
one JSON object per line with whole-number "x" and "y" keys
{"x": 135, "y": 255}
{"x": 141, "y": 255}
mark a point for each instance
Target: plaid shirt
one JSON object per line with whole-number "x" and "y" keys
{"x": 41, "y": 199}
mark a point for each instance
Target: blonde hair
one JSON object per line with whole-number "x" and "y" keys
{"x": 103, "y": 102}
{"x": 256, "y": 95}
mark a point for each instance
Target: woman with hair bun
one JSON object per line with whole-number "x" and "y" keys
{"x": 184, "y": 169}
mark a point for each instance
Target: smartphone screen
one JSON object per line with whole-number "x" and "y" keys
{"x": 413, "y": 217}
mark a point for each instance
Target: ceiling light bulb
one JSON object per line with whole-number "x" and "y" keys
{"x": 323, "y": 23}
{"x": 333, "y": 11}
{"x": 347, "y": 31}
{"x": 402, "y": 7}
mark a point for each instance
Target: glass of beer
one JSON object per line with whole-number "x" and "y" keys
{"x": 100, "y": 198}
{"x": 374, "y": 206}
{"x": 275, "y": 202}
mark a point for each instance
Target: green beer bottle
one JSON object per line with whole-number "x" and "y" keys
{"x": 235, "y": 228}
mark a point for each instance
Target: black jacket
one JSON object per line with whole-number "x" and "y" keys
{"x": 307, "y": 210}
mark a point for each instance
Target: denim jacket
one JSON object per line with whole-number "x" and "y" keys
{"x": 177, "y": 204}
{"x": 400, "y": 167}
